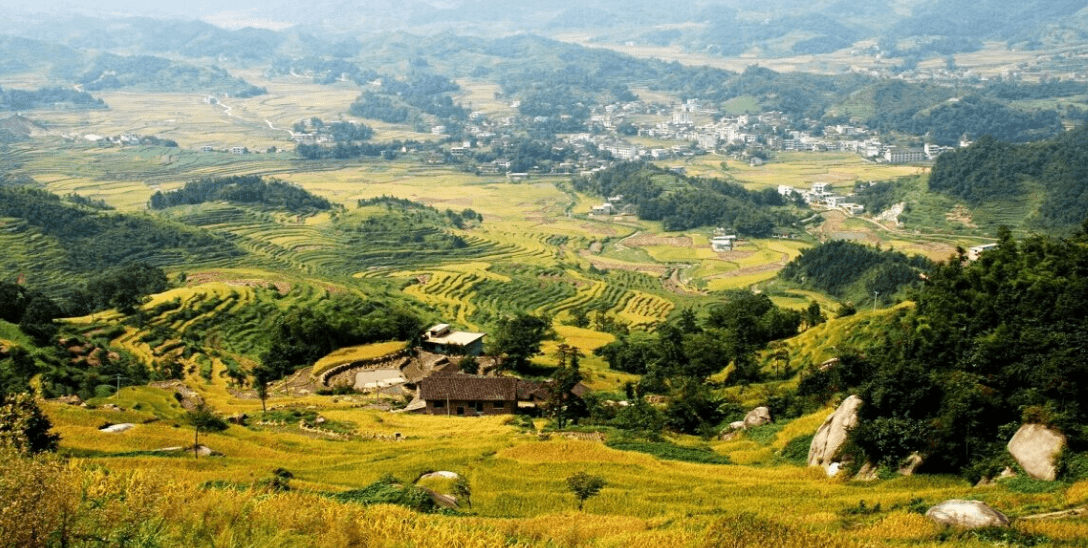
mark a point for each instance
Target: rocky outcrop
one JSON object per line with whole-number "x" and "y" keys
{"x": 911, "y": 465}
{"x": 757, "y": 417}
{"x": 238, "y": 418}
{"x": 1036, "y": 449}
{"x": 831, "y": 435}
{"x": 967, "y": 514}
{"x": 116, "y": 428}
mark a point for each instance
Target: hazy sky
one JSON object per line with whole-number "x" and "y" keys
{"x": 191, "y": 8}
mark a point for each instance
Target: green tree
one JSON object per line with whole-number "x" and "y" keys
{"x": 584, "y": 486}
{"x": 563, "y": 405}
{"x": 23, "y": 426}
{"x": 518, "y": 339}
{"x": 203, "y": 419}
{"x": 37, "y": 320}
{"x": 463, "y": 491}
{"x": 263, "y": 376}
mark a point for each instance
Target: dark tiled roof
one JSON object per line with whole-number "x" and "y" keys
{"x": 528, "y": 389}
{"x": 468, "y": 388}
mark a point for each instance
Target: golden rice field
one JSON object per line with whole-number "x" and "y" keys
{"x": 517, "y": 488}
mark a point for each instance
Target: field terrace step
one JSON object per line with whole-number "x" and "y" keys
{"x": 396, "y": 360}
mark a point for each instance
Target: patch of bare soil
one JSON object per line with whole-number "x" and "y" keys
{"x": 597, "y": 229}
{"x": 201, "y": 278}
{"x": 656, "y": 270}
{"x": 675, "y": 285}
{"x": 642, "y": 240}
{"x": 960, "y": 214}
{"x": 735, "y": 255}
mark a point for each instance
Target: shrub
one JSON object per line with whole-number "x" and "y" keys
{"x": 390, "y": 490}
{"x": 796, "y": 450}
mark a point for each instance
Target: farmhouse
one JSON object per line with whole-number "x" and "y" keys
{"x": 461, "y": 395}
{"x": 441, "y": 340}
{"x": 604, "y": 209}
{"x": 723, "y": 243}
{"x": 975, "y": 252}
{"x": 447, "y": 392}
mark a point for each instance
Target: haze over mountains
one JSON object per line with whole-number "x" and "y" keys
{"x": 773, "y": 28}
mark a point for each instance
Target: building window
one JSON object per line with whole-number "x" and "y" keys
{"x": 440, "y": 404}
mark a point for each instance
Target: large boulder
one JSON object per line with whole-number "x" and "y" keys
{"x": 117, "y": 428}
{"x": 967, "y": 514}
{"x": 911, "y": 465}
{"x": 757, "y": 417}
{"x": 831, "y": 435}
{"x": 1036, "y": 448}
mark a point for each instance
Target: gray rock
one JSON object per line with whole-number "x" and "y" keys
{"x": 238, "y": 418}
{"x": 188, "y": 398}
{"x": 967, "y": 514}
{"x": 757, "y": 417}
{"x": 733, "y": 431}
{"x": 868, "y": 472}
{"x": 1036, "y": 448}
{"x": 117, "y": 428}
{"x": 831, "y": 435}
{"x": 911, "y": 465}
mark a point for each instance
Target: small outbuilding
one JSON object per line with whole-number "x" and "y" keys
{"x": 440, "y": 339}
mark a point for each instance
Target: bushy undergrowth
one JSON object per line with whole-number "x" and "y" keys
{"x": 796, "y": 450}
{"x": 390, "y": 490}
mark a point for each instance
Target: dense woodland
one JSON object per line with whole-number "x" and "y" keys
{"x": 243, "y": 189}
{"x": 682, "y": 202}
{"x": 857, "y": 273}
{"x": 16, "y": 99}
{"x": 993, "y": 170}
{"x": 991, "y": 344}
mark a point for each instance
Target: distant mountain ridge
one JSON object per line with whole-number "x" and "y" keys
{"x": 784, "y": 27}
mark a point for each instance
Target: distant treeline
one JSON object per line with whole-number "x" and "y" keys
{"x": 972, "y": 116}
{"x": 246, "y": 189}
{"x": 993, "y": 170}
{"x": 398, "y": 101}
{"x": 693, "y": 202}
{"x": 110, "y": 71}
{"x": 855, "y": 272}
{"x": 15, "y": 99}
{"x": 458, "y": 219}
{"x": 344, "y": 151}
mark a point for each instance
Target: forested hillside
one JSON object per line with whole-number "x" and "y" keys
{"x": 244, "y": 189}
{"x": 858, "y": 273}
{"x": 16, "y": 99}
{"x": 991, "y": 170}
{"x": 66, "y": 242}
{"x": 682, "y": 202}
{"x": 990, "y": 345}
{"x": 109, "y": 71}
